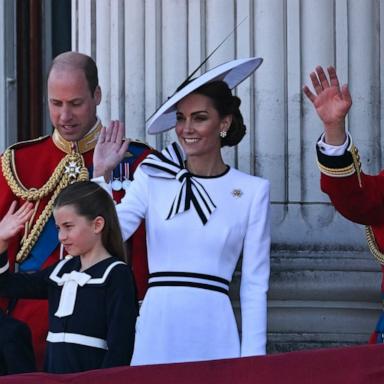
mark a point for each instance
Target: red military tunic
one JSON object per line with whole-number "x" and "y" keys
{"x": 359, "y": 198}
{"x": 32, "y": 165}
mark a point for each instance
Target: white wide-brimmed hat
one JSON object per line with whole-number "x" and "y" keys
{"x": 232, "y": 72}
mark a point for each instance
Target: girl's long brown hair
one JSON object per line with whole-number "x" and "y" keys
{"x": 90, "y": 201}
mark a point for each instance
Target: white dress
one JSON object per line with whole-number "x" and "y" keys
{"x": 180, "y": 323}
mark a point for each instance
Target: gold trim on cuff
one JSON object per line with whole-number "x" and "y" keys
{"x": 355, "y": 167}
{"x": 336, "y": 172}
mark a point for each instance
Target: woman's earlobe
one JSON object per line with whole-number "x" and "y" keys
{"x": 227, "y": 122}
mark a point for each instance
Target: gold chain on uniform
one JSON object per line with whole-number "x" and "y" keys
{"x": 372, "y": 245}
{"x": 371, "y": 241}
{"x": 60, "y": 178}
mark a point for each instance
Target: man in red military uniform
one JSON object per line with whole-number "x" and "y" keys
{"x": 37, "y": 170}
{"x": 357, "y": 196}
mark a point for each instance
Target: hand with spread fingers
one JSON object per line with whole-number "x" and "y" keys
{"x": 110, "y": 149}
{"x": 13, "y": 222}
{"x": 331, "y": 102}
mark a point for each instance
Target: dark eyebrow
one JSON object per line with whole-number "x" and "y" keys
{"x": 193, "y": 113}
{"x": 66, "y": 222}
{"x": 70, "y": 101}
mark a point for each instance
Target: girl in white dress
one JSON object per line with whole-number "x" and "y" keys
{"x": 201, "y": 215}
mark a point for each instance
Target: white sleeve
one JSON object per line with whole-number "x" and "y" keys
{"x": 101, "y": 182}
{"x": 333, "y": 150}
{"x": 133, "y": 206}
{"x": 255, "y": 275}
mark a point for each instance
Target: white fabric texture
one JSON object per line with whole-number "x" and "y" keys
{"x": 70, "y": 282}
{"x": 333, "y": 150}
{"x": 76, "y": 338}
{"x": 4, "y": 268}
{"x": 190, "y": 324}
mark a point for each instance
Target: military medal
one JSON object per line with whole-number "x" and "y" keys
{"x": 72, "y": 169}
{"x": 116, "y": 183}
{"x": 126, "y": 182}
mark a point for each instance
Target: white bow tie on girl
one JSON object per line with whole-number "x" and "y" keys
{"x": 70, "y": 282}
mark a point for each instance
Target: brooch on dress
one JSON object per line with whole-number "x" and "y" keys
{"x": 237, "y": 193}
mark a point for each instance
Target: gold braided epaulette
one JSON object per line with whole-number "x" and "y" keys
{"x": 17, "y": 187}
{"x": 356, "y": 162}
{"x": 354, "y": 167}
{"x": 70, "y": 169}
{"x": 372, "y": 245}
{"x": 10, "y": 174}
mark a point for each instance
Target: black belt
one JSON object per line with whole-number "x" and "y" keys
{"x": 183, "y": 279}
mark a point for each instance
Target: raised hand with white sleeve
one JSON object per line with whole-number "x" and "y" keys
{"x": 331, "y": 102}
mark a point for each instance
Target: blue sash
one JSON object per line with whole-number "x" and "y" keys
{"x": 43, "y": 248}
{"x": 48, "y": 239}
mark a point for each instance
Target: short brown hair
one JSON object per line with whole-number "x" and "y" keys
{"x": 75, "y": 60}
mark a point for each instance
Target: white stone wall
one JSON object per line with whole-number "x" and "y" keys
{"x": 2, "y": 83}
{"x": 324, "y": 285}
{"x": 8, "y": 84}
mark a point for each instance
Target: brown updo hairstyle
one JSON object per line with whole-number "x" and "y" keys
{"x": 226, "y": 104}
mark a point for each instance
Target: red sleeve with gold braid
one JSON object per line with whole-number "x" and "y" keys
{"x": 357, "y": 196}
{"x": 360, "y": 198}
